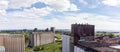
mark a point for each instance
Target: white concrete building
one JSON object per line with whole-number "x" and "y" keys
{"x": 78, "y": 49}
{"x": 41, "y": 38}
{"x": 2, "y": 49}
{"x": 66, "y": 43}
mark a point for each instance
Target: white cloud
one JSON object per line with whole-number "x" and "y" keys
{"x": 31, "y": 18}
{"x": 90, "y": 4}
{"x": 73, "y": 7}
{"x": 21, "y": 3}
{"x": 3, "y": 16}
{"x": 60, "y": 5}
{"x": 3, "y": 4}
{"x": 32, "y": 13}
{"x": 38, "y": 12}
{"x": 83, "y": 1}
{"x": 2, "y": 12}
{"x": 115, "y": 3}
{"x": 101, "y": 22}
{"x": 18, "y": 21}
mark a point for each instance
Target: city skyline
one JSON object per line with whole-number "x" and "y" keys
{"x": 104, "y": 14}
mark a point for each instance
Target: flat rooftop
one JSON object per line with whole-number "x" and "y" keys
{"x": 116, "y": 46}
{"x": 99, "y": 46}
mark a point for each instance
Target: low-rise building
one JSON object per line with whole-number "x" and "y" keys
{"x": 96, "y": 47}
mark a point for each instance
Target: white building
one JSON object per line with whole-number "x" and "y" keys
{"x": 78, "y": 49}
{"x": 66, "y": 43}
{"x": 2, "y": 49}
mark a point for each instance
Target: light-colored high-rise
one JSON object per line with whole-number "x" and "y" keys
{"x": 12, "y": 42}
{"x": 66, "y": 43}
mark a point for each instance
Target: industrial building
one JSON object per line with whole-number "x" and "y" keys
{"x": 12, "y": 42}
{"x": 82, "y": 32}
{"x": 42, "y": 37}
{"x": 82, "y": 39}
{"x": 79, "y": 32}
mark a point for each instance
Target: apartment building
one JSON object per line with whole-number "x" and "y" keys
{"x": 82, "y": 32}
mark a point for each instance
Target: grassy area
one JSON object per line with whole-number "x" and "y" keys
{"x": 53, "y": 47}
{"x": 58, "y": 36}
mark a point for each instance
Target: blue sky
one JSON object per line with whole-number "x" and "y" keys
{"x": 29, "y": 14}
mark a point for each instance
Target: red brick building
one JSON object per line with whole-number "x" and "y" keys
{"x": 82, "y": 31}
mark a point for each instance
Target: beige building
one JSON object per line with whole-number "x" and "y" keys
{"x": 12, "y": 42}
{"x": 40, "y": 38}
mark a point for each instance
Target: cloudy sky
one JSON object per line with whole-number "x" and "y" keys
{"x": 28, "y": 14}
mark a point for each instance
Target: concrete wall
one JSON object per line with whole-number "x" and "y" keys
{"x": 47, "y": 38}
{"x": 1, "y": 40}
{"x": 40, "y": 38}
{"x": 13, "y": 43}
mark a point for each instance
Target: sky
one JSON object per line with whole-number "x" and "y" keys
{"x": 30, "y": 14}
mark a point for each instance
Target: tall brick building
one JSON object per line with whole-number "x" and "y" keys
{"x": 12, "y": 42}
{"x": 82, "y": 32}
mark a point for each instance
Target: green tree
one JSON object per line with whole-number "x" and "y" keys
{"x": 38, "y": 48}
{"x": 26, "y": 34}
{"x": 111, "y": 35}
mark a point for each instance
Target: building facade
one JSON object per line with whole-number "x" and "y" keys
{"x": 40, "y": 38}
{"x": 77, "y": 49}
{"x": 82, "y": 32}
{"x": 13, "y": 42}
{"x": 96, "y": 47}
{"x": 84, "y": 40}
{"x": 44, "y": 37}
{"x": 66, "y": 43}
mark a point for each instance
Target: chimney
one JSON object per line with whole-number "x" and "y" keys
{"x": 52, "y": 29}
{"x": 35, "y": 29}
